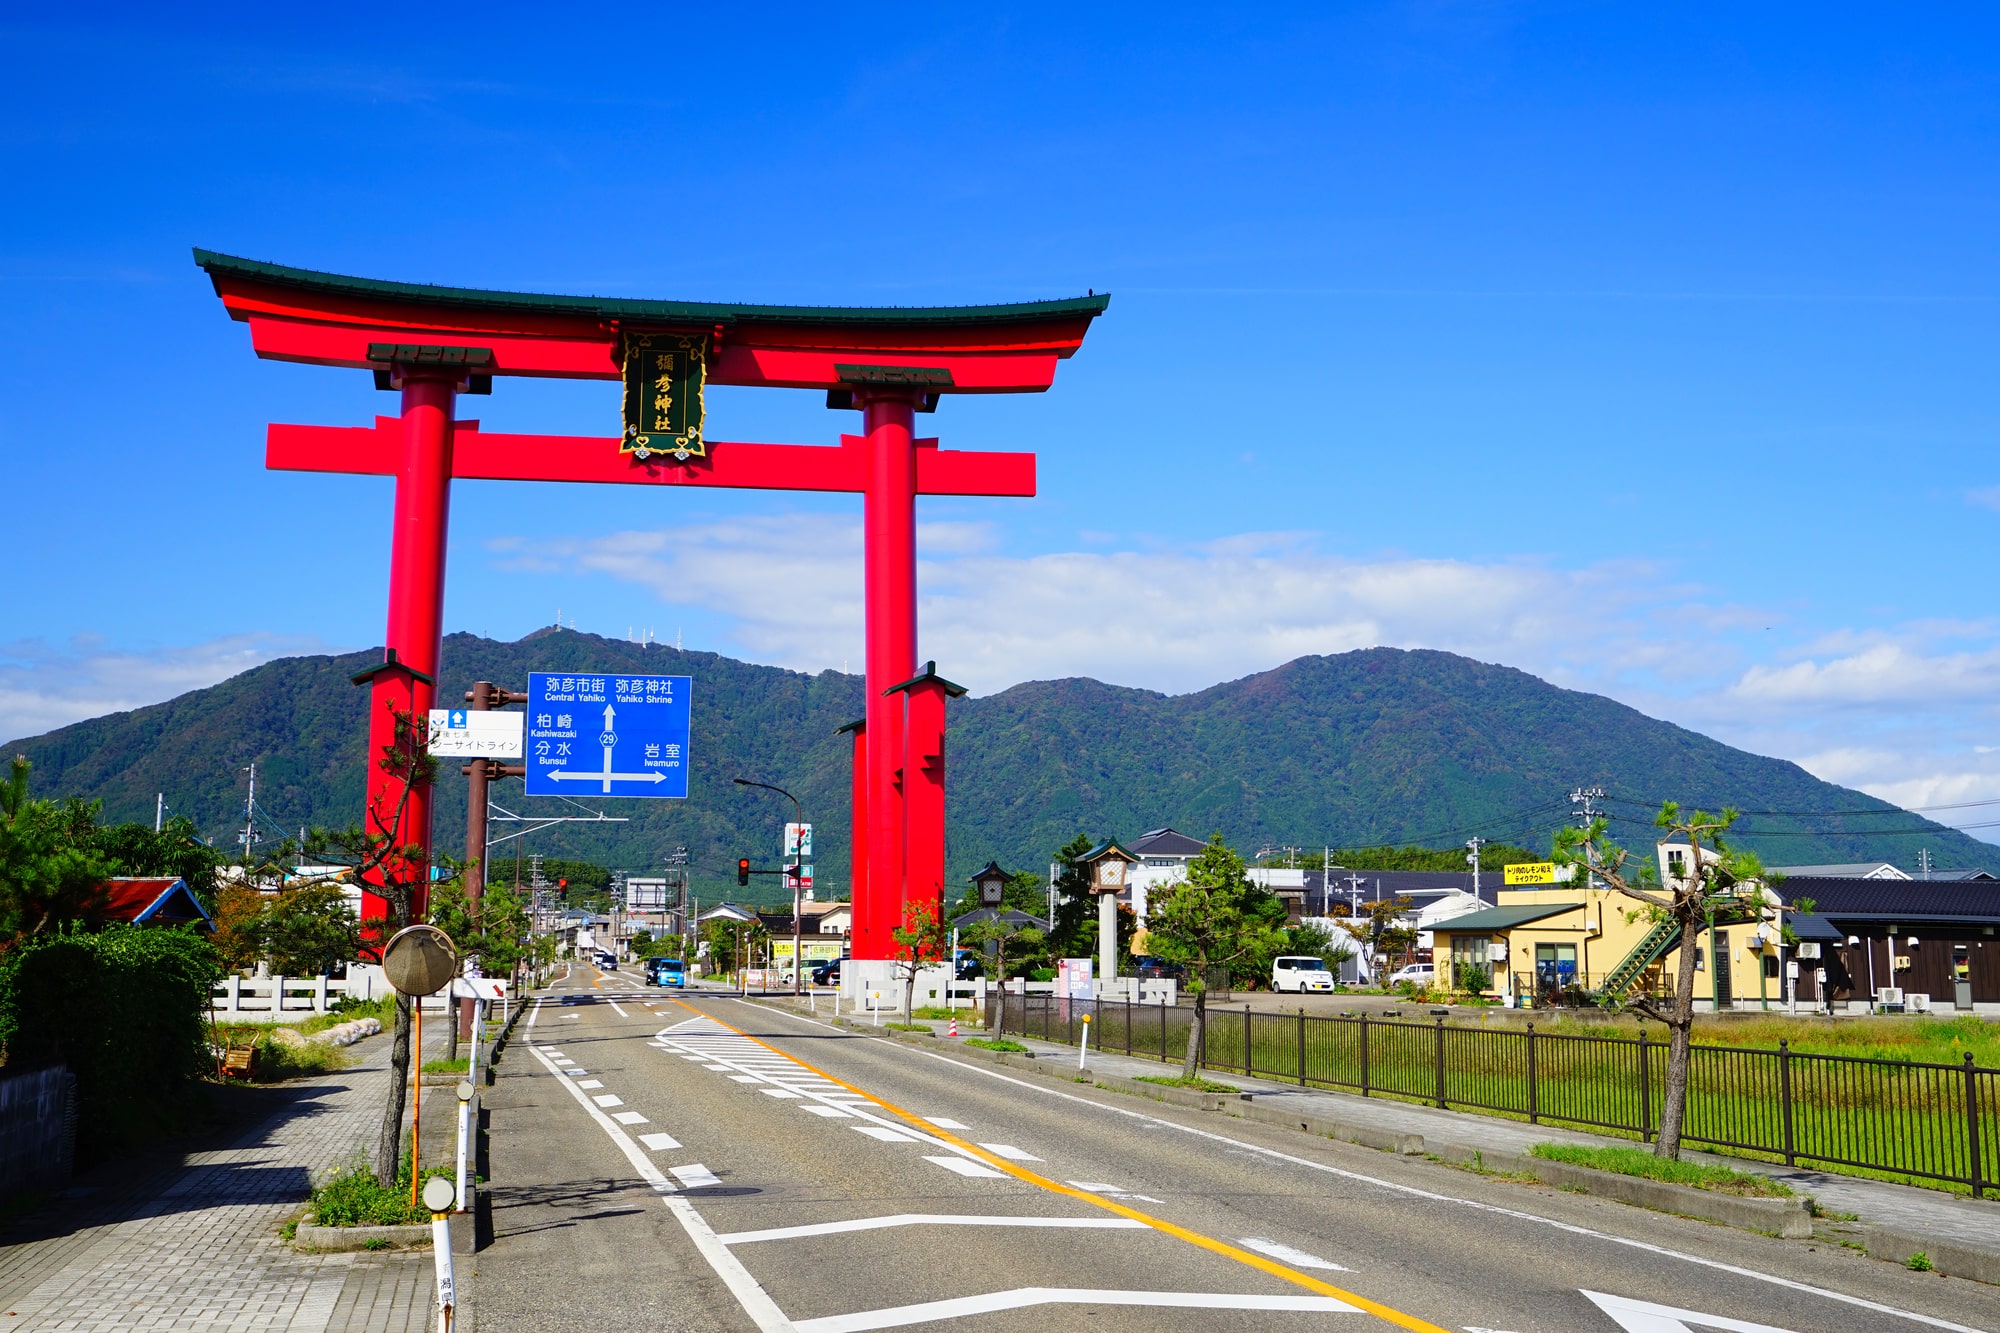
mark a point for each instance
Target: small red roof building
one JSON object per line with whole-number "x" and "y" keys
{"x": 154, "y": 900}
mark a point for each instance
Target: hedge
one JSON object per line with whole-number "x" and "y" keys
{"x": 125, "y": 1009}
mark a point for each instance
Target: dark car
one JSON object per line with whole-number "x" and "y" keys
{"x": 1155, "y": 969}
{"x": 968, "y": 966}
{"x": 827, "y": 974}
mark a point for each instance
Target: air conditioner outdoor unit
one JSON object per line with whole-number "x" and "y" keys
{"x": 1889, "y": 995}
{"x": 1917, "y": 1004}
{"x": 1808, "y": 951}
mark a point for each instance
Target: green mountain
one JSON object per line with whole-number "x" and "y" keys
{"x": 1377, "y": 746}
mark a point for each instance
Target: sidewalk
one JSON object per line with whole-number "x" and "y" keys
{"x": 1904, "y": 1208}
{"x": 192, "y": 1242}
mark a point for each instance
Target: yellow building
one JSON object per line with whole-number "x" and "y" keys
{"x": 1541, "y": 943}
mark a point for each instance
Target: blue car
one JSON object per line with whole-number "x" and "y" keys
{"x": 666, "y": 972}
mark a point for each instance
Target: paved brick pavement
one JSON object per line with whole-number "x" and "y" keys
{"x": 195, "y": 1244}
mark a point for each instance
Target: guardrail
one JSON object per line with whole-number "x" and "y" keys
{"x": 1930, "y": 1123}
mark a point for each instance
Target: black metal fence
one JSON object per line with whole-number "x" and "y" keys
{"x": 1930, "y": 1123}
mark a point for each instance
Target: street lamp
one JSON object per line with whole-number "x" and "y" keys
{"x": 792, "y": 873}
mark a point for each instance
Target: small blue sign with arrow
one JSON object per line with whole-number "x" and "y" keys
{"x": 592, "y": 735}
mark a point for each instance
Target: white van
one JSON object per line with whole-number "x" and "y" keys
{"x": 1294, "y": 972}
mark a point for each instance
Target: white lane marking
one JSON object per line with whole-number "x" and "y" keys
{"x": 614, "y": 1004}
{"x": 778, "y": 1092}
{"x": 964, "y": 1307}
{"x": 591, "y": 1083}
{"x": 536, "y": 1012}
{"x": 1010, "y": 1152}
{"x": 945, "y": 1122}
{"x": 744, "y": 1078}
{"x": 629, "y": 1118}
{"x": 830, "y": 1112}
{"x": 571, "y": 1018}
{"x": 756, "y": 1302}
{"x": 608, "y": 1099}
{"x": 1417, "y": 1192}
{"x": 1286, "y": 1254}
{"x": 1645, "y": 1317}
{"x": 1110, "y": 1191}
{"x": 577, "y": 1071}
{"x": 695, "y": 1176}
{"x": 553, "y": 1053}
{"x": 965, "y": 1168}
{"x": 731, "y": 1049}
{"x": 884, "y": 1133}
{"x": 660, "y": 1142}
{"x": 698, "y": 1059}
{"x": 716, "y": 1069}
{"x": 928, "y": 1219}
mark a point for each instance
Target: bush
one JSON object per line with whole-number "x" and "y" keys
{"x": 1473, "y": 978}
{"x": 125, "y": 1008}
{"x": 995, "y": 1044}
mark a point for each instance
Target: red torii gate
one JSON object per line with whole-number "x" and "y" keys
{"x": 434, "y": 343}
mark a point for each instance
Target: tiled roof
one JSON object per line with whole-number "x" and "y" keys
{"x": 1897, "y": 899}
{"x": 1166, "y": 842}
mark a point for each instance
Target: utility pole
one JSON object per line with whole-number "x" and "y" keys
{"x": 1584, "y": 811}
{"x": 1473, "y": 856}
{"x": 249, "y": 834}
{"x": 483, "y": 696}
{"x": 159, "y": 810}
{"x": 1924, "y": 862}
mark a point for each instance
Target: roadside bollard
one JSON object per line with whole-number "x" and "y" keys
{"x": 464, "y": 1091}
{"x": 439, "y": 1198}
{"x": 1083, "y": 1047}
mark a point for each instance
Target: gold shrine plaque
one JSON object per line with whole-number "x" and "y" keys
{"x": 665, "y": 375}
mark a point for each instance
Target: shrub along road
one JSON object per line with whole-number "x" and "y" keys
{"x": 703, "y": 1162}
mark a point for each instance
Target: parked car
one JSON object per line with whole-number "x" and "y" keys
{"x": 1157, "y": 969}
{"x": 968, "y": 967}
{"x": 1417, "y": 974}
{"x": 666, "y": 972}
{"x": 1300, "y": 972}
{"x": 827, "y": 974}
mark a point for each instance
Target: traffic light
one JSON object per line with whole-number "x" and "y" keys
{"x": 743, "y": 870}
{"x": 562, "y": 889}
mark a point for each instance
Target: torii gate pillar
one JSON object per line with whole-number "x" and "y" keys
{"x": 889, "y": 576}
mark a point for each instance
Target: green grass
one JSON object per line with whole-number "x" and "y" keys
{"x": 458, "y": 1066}
{"x": 1198, "y": 1083}
{"x": 909, "y": 1027}
{"x": 1001, "y": 1044}
{"x": 940, "y": 1012}
{"x": 1638, "y": 1162}
{"x": 353, "y": 1197}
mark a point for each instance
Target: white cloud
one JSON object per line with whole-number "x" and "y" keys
{"x": 43, "y": 686}
{"x": 1896, "y": 710}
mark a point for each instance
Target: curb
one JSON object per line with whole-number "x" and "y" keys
{"x": 1947, "y": 1257}
{"x": 327, "y": 1239}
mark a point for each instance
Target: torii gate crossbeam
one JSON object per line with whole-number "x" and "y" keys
{"x": 434, "y": 343}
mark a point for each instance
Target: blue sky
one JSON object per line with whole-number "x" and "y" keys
{"x": 1648, "y": 351}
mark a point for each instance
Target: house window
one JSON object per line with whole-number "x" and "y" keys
{"x": 1468, "y": 951}
{"x": 1676, "y": 863}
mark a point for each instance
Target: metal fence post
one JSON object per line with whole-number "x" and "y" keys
{"x": 1645, "y": 1088}
{"x": 1246, "y": 1041}
{"x": 1163, "y": 1026}
{"x": 1364, "y": 1055}
{"x": 1785, "y": 1095}
{"x": 1972, "y": 1127}
{"x": 1534, "y": 1089}
{"x": 1440, "y": 1064}
{"x": 1128, "y": 1022}
{"x": 1302, "y": 1048}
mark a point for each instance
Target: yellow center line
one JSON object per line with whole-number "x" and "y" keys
{"x": 1210, "y": 1243}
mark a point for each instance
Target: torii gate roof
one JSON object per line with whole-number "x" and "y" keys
{"x": 329, "y": 319}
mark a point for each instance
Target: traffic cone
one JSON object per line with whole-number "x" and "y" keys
{"x": 954, "y": 1027}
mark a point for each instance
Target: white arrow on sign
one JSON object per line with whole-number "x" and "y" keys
{"x": 606, "y": 776}
{"x": 1645, "y": 1317}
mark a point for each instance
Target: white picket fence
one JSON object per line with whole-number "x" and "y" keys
{"x": 277, "y": 999}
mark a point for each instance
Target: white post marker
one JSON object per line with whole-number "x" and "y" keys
{"x": 439, "y": 1197}
{"x": 1083, "y": 1047}
{"x": 464, "y": 1091}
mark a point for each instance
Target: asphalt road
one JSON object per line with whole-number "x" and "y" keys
{"x": 689, "y": 1160}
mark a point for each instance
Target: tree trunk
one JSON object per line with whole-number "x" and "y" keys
{"x": 910, "y": 992}
{"x": 1195, "y": 1031}
{"x": 1680, "y": 1039}
{"x": 389, "y": 1146}
{"x": 455, "y": 1009}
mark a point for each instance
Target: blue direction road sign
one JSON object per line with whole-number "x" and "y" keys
{"x": 608, "y": 735}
